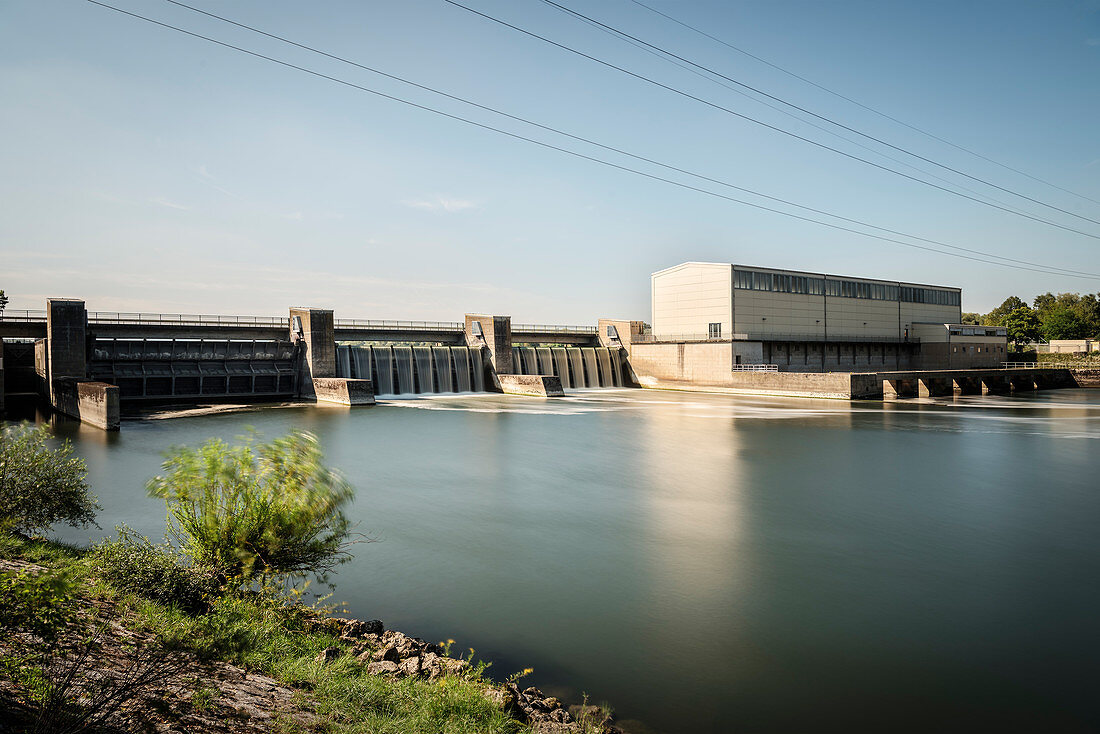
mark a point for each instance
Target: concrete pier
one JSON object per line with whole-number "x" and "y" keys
{"x": 539, "y": 386}
{"x": 314, "y": 329}
{"x": 494, "y": 332}
{"x": 94, "y": 403}
{"x": 66, "y": 343}
{"x": 344, "y": 390}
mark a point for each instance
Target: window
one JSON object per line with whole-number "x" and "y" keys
{"x": 714, "y": 331}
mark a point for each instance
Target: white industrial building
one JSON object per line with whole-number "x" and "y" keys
{"x": 804, "y": 321}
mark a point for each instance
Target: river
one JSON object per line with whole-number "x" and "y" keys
{"x": 714, "y": 563}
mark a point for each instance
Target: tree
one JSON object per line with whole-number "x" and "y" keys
{"x": 3, "y": 302}
{"x": 1063, "y": 323}
{"x": 971, "y": 318}
{"x": 1022, "y": 325}
{"x": 39, "y": 485}
{"x": 1044, "y": 303}
{"x": 256, "y": 509}
{"x": 997, "y": 316}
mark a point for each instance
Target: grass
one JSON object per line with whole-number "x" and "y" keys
{"x": 264, "y": 635}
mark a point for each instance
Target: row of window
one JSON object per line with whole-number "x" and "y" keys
{"x": 780, "y": 283}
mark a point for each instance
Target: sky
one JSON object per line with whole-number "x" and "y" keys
{"x": 145, "y": 170}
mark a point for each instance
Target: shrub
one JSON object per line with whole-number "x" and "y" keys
{"x": 132, "y": 563}
{"x": 36, "y": 602}
{"x": 256, "y": 509}
{"x": 40, "y": 486}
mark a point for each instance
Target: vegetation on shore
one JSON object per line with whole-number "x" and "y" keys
{"x": 1062, "y": 316}
{"x": 248, "y": 525}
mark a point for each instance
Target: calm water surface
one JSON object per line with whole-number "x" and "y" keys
{"x": 714, "y": 563}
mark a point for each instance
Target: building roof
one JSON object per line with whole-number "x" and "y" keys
{"x": 806, "y": 273}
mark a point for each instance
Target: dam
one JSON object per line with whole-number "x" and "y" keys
{"x": 93, "y": 365}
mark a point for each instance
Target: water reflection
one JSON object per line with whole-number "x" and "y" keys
{"x": 715, "y": 563}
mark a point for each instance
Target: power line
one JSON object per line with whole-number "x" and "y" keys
{"x": 623, "y": 34}
{"x": 550, "y": 146}
{"x": 811, "y": 123}
{"x": 857, "y": 103}
{"x": 753, "y": 120}
{"x": 613, "y": 149}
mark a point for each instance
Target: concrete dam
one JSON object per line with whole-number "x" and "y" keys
{"x": 92, "y": 365}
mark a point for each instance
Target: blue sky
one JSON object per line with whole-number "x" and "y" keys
{"x": 146, "y": 170}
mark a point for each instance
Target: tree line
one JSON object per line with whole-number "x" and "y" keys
{"x": 1062, "y": 316}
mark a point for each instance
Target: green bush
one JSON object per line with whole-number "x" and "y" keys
{"x": 132, "y": 563}
{"x": 36, "y": 602}
{"x": 39, "y": 485}
{"x": 256, "y": 509}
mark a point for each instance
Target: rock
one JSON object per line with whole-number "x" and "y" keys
{"x": 410, "y": 667}
{"x": 357, "y": 628}
{"x": 328, "y": 655}
{"x": 553, "y": 727}
{"x": 389, "y": 652}
{"x": 532, "y": 692}
{"x": 384, "y": 667}
{"x": 430, "y": 666}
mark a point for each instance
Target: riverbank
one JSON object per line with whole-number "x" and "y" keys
{"x": 251, "y": 662}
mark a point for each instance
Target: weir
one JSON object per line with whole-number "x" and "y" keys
{"x": 402, "y": 370}
{"x": 89, "y": 364}
{"x": 575, "y": 367}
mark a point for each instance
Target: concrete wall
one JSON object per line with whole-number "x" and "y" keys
{"x": 1073, "y": 346}
{"x": 705, "y": 363}
{"x": 765, "y": 314}
{"x": 915, "y": 313}
{"x": 687, "y": 297}
{"x": 318, "y": 339}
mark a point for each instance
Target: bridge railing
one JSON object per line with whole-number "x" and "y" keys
{"x": 755, "y": 368}
{"x": 23, "y": 316}
{"x": 184, "y": 319}
{"x": 387, "y": 324}
{"x": 553, "y": 328}
{"x": 170, "y": 319}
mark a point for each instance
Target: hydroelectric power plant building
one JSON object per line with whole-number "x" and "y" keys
{"x": 812, "y": 322}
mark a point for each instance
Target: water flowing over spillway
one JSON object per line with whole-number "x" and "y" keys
{"x": 576, "y": 367}
{"x": 402, "y": 370}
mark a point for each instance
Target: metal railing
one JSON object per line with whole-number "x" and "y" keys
{"x": 166, "y": 319}
{"x": 1051, "y": 365}
{"x": 183, "y": 319}
{"x": 23, "y": 316}
{"x": 554, "y": 328}
{"x": 830, "y": 338}
{"x": 651, "y": 338}
{"x": 387, "y": 324}
{"x": 755, "y": 368}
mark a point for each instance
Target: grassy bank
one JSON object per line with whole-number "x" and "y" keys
{"x": 210, "y": 633}
{"x": 267, "y": 634}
